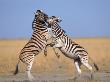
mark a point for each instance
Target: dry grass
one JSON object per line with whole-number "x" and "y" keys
{"x": 98, "y": 49}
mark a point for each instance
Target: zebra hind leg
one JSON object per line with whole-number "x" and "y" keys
{"x": 28, "y": 69}
{"x": 90, "y": 68}
{"x": 30, "y": 77}
{"x": 77, "y": 64}
{"x": 85, "y": 63}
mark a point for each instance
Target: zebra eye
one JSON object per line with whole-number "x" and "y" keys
{"x": 53, "y": 16}
{"x": 59, "y": 20}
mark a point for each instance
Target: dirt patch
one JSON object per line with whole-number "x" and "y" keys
{"x": 85, "y": 77}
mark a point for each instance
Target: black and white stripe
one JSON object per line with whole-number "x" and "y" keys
{"x": 36, "y": 44}
{"x": 67, "y": 46}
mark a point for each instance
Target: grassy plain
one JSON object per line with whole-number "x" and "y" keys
{"x": 98, "y": 49}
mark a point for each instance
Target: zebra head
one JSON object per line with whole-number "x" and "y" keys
{"x": 39, "y": 20}
{"x": 53, "y": 19}
{"x": 53, "y": 23}
{"x": 40, "y": 16}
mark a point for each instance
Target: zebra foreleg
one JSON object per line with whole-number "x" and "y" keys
{"x": 45, "y": 51}
{"x": 56, "y": 53}
{"x": 51, "y": 45}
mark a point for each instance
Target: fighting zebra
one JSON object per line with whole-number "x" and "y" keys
{"x": 36, "y": 44}
{"x": 67, "y": 46}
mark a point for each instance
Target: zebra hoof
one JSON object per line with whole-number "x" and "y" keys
{"x": 75, "y": 78}
{"x": 91, "y": 77}
{"x": 31, "y": 79}
{"x": 58, "y": 56}
{"x": 45, "y": 53}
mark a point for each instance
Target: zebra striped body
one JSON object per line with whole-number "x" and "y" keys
{"x": 67, "y": 46}
{"x": 36, "y": 44}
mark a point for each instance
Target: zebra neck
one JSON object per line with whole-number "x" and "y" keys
{"x": 57, "y": 31}
{"x": 55, "y": 25}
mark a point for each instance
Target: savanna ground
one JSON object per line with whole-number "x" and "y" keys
{"x": 51, "y": 69}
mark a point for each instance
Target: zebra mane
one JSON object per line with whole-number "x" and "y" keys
{"x": 63, "y": 30}
{"x": 58, "y": 26}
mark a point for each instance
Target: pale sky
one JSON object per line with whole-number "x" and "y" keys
{"x": 80, "y": 18}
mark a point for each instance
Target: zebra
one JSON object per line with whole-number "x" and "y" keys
{"x": 69, "y": 48}
{"x": 36, "y": 44}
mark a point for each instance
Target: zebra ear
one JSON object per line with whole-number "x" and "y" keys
{"x": 35, "y": 13}
{"x": 53, "y": 16}
{"x": 39, "y": 10}
{"x": 58, "y": 19}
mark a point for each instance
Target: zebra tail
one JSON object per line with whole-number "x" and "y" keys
{"x": 96, "y": 67}
{"x": 17, "y": 70}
